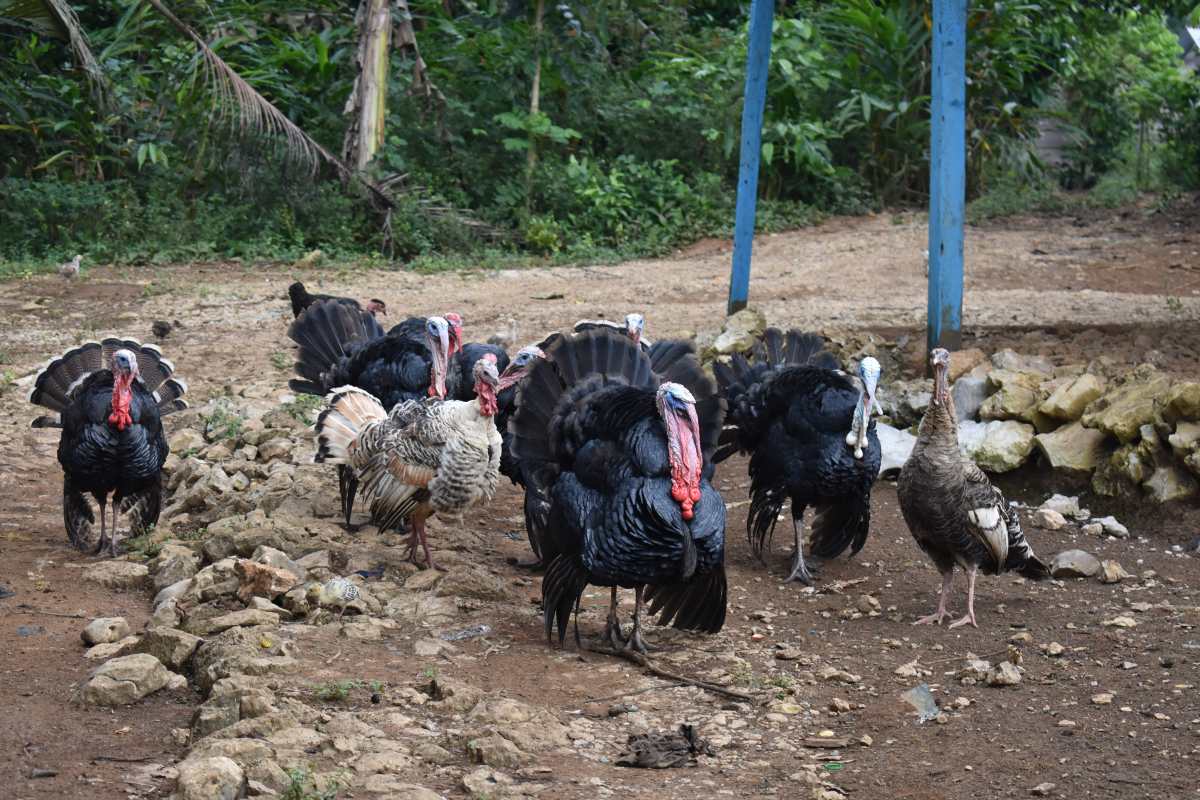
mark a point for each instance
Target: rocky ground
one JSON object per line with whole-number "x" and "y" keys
{"x": 206, "y": 662}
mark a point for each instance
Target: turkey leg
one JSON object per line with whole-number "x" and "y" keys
{"x": 102, "y": 499}
{"x": 612, "y": 626}
{"x": 970, "y": 617}
{"x": 943, "y": 596}
{"x": 418, "y": 524}
{"x": 635, "y": 642}
{"x": 799, "y": 570}
{"x": 112, "y": 536}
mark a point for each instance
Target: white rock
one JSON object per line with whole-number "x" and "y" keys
{"x": 217, "y": 778}
{"x": 1112, "y": 527}
{"x": 1074, "y": 564}
{"x": 1004, "y": 674}
{"x": 1067, "y": 506}
{"x": 103, "y": 630}
{"x": 124, "y": 680}
{"x": 1048, "y": 519}
{"x": 896, "y": 446}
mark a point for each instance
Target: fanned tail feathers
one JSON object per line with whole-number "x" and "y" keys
{"x": 349, "y": 409}
{"x": 60, "y": 377}
{"x": 325, "y": 332}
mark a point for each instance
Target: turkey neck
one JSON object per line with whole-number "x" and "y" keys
{"x": 122, "y": 400}
{"x": 939, "y": 426}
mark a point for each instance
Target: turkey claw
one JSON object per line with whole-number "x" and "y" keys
{"x": 969, "y": 619}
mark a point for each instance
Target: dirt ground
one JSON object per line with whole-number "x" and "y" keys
{"x": 1122, "y": 285}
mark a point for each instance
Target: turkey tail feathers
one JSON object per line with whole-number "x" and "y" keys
{"x": 1021, "y": 558}
{"x": 60, "y": 377}
{"x": 765, "y": 504}
{"x": 695, "y": 605}
{"x": 837, "y": 526}
{"x": 562, "y": 586}
{"x": 325, "y": 332}
{"x": 349, "y": 410}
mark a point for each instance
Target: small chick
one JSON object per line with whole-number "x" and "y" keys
{"x": 337, "y": 592}
{"x": 71, "y": 268}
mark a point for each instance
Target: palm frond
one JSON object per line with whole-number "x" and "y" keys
{"x": 56, "y": 18}
{"x": 241, "y": 105}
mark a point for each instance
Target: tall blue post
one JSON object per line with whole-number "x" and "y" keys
{"x": 947, "y": 173}
{"x": 758, "y": 57}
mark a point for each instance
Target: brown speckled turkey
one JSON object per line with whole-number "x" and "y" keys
{"x": 953, "y": 511}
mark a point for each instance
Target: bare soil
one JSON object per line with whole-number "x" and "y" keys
{"x": 1125, "y": 285}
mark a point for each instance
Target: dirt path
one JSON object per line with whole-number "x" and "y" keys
{"x": 1030, "y": 283}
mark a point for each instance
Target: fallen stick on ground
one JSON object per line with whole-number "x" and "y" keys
{"x": 652, "y": 668}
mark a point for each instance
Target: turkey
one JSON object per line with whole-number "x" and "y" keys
{"x": 623, "y": 459}
{"x": 634, "y": 326}
{"x": 70, "y": 269}
{"x": 301, "y": 299}
{"x": 344, "y": 346}
{"x": 459, "y": 382}
{"x": 953, "y": 511}
{"x": 108, "y": 398}
{"x": 807, "y": 428}
{"x": 425, "y": 457}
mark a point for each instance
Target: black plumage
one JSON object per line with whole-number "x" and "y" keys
{"x": 301, "y": 299}
{"x": 790, "y": 408}
{"x": 952, "y": 510}
{"x": 460, "y": 381}
{"x": 591, "y": 432}
{"x": 340, "y": 345}
{"x": 109, "y": 398}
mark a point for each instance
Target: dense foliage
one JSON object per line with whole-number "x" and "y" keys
{"x": 631, "y": 148}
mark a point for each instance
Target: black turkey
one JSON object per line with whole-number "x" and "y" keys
{"x": 624, "y": 460}
{"x": 633, "y": 327}
{"x": 807, "y": 427}
{"x": 301, "y": 299}
{"x": 109, "y": 398}
{"x": 953, "y": 511}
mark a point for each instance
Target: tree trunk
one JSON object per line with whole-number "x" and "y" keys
{"x": 367, "y": 104}
{"x": 535, "y": 101}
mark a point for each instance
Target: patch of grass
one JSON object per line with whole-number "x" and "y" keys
{"x": 144, "y": 546}
{"x": 304, "y": 408}
{"x": 303, "y": 786}
{"x": 335, "y": 691}
{"x": 1114, "y": 190}
{"x": 1010, "y": 196}
{"x": 8, "y": 379}
{"x": 281, "y": 361}
{"x": 223, "y": 423}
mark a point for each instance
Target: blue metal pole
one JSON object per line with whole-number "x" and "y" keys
{"x": 947, "y": 173}
{"x": 758, "y": 57}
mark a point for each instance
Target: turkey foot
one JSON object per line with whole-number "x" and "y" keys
{"x": 799, "y": 570}
{"x": 943, "y": 596}
{"x": 418, "y": 536}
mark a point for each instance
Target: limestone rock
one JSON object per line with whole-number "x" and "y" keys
{"x": 277, "y": 449}
{"x": 963, "y": 361}
{"x": 1074, "y": 564}
{"x": 1015, "y": 397}
{"x": 263, "y": 580}
{"x": 104, "y": 630}
{"x": 474, "y": 583}
{"x": 118, "y": 574}
{"x": 218, "y": 778}
{"x": 904, "y": 402}
{"x": 171, "y": 646}
{"x": 1112, "y": 527}
{"x": 741, "y": 332}
{"x": 1005, "y": 446}
{"x": 248, "y": 617}
{"x": 1073, "y": 448}
{"x": 486, "y": 782}
{"x": 1169, "y": 483}
{"x": 1004, "y": 674}
{"x": 241, "y": 651}
{"x": 969, "y": 394}
{"x": 1015, "y": 362}
{"x": 184, "y": 440}
{"x": 1183, "y": 402}
{"x": 1183, "y": 440}
{"x": 1068, "y": 401}
{"x": 1112, "y": 572}
{"x": 1048, "y": 519}
{"x": 125, "y": 680}
{"x": 496, "y": 751}
{"x": 107, "y": 650}
{"x": 1123, "y": 410}
{"x": 174, "y": 563}
{"x": 1067, "y": 506}
{"x": 896, "y": 446}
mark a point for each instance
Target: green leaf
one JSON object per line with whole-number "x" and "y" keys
{"x": 768, "y": 152}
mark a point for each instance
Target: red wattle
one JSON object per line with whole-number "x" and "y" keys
{"x": 122, "y": 399}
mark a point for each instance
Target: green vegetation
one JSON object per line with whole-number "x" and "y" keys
{"x": 223, "y": 423}
{"x": 304, "y": 408}
{"x": 305, "y": 786}
{"x": 597, "y": 130}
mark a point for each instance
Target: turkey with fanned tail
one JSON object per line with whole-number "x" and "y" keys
{"x": 109, "y": 398}
{"x": 952, "y": 509}
{"x": 807, "y": 427}
{"x": 624, "y": 460}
